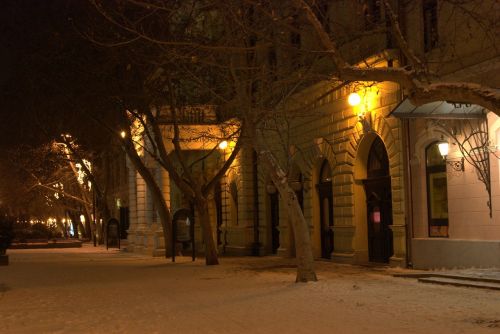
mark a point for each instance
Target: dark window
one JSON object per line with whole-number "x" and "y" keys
{"x": 233, "y": 191}
{"x": 372, "y": 13}
{"x": 437, "y": 192}
{"x": 295, "y": 38}
{"x": 430, "y": 25}
{"x": 326, "y": 172}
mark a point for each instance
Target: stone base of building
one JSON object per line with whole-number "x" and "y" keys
{"x": 285, "y": 252}
{"x": 348, "y": 258}
{"x": 436, "y": 253}
{"x": 238, "y": 250}
{"x": 395, "y": 261}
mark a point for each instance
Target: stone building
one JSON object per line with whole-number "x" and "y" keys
{"x": 370, "y": 179}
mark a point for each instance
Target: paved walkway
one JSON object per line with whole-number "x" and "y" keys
{"x": 91, "y": 290}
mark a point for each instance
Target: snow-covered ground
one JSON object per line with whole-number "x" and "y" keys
{"x": 91, "y": 290}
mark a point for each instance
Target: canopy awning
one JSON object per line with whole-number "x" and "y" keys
{"x": 438, "y": 110}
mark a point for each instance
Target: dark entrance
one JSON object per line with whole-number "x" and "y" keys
{"x": 275, "y": 219}
{"x": 183, "y": 233}
{"x": 218, "y": 211}
{"x": 326, "y": 210}
{"x": 378, "y": 203}
{"x": 124, "y": 222}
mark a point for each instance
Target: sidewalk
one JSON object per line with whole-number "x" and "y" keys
{"x": 473, "y": 278}
{"x": 94, "y": 290}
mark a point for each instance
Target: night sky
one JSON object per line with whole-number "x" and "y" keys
{"x": 49, "y": 72}
{"x": 25, "y": 27}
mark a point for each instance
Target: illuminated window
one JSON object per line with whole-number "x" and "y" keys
{"x": 437, "y": 192}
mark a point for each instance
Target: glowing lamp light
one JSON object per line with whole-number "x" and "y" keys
{"x": 223, "y": 145}
{"x": 123, "y": 134}
{"x": 354, "y": 99}
{"x": 444, "y": 148}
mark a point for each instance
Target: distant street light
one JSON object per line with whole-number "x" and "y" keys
{"x": 223, "y": 145}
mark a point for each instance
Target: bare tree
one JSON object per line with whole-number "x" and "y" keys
{"x": 240, "y": 40}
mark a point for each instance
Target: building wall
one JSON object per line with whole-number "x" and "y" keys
{"x": 338, "y": 137}
{"x": 328, "y": 129}
{"x": 466, "y": 51}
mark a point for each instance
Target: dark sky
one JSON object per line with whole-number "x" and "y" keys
{"x": 25, "y": 27}
{"x": 41, "y": 61}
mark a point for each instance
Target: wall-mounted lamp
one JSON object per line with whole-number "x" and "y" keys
{"x": 123, "y": 134}
{"x": 223, "y": 145}
{"x": 457, "y": 165}
{"x": 354, "y": 99}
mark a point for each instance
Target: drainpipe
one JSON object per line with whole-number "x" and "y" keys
{"x": 408, "y": 193}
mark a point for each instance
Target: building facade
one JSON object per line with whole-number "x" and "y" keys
{"x": 370, "y": 179}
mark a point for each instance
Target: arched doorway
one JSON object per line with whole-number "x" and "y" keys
{"x": 325, "y": 195}
{"x": 274, "y": 218}
{"x": 378, "y": 203}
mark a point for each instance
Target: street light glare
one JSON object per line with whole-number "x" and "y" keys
{"x": 223, "y": 145}
{"x": 123, "y": 134}
{"x": 354, "y": 99}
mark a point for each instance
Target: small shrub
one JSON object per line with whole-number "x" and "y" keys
{"x": 24, "y": 231}
{"x": 6, "y": 233}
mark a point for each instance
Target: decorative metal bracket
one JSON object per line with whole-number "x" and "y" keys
{"x": 457, "y": 165}
{"x": 364, "y": 123}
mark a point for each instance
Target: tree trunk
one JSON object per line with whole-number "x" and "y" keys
{"x": 300, "y": 228}
{"x": 208, "y": 237}
{"x": 156, "y": 193}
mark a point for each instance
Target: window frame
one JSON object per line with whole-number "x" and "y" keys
{"x": 435, "y": 170}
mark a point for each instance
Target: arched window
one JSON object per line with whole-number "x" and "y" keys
{"x": 437, "y": 191}
{"x": 326, "y": 172}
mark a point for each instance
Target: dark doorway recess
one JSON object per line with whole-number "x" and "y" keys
{"x": 124, "y": 222}
{"x": 378, "y": 204}
{"x": 326, "y": 209}
{"x": 275, "y": 220}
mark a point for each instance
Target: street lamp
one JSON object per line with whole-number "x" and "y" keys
{"x": 444, "y": 149}
{"x": 223, "y": 145}
{"x": 354, "y": 99}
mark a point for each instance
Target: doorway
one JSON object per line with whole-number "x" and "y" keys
{"x": 378, "y": 204}
{"x": 325, "y": 195}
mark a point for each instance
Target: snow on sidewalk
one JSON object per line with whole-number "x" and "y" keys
{"x": 91, "y": 290}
